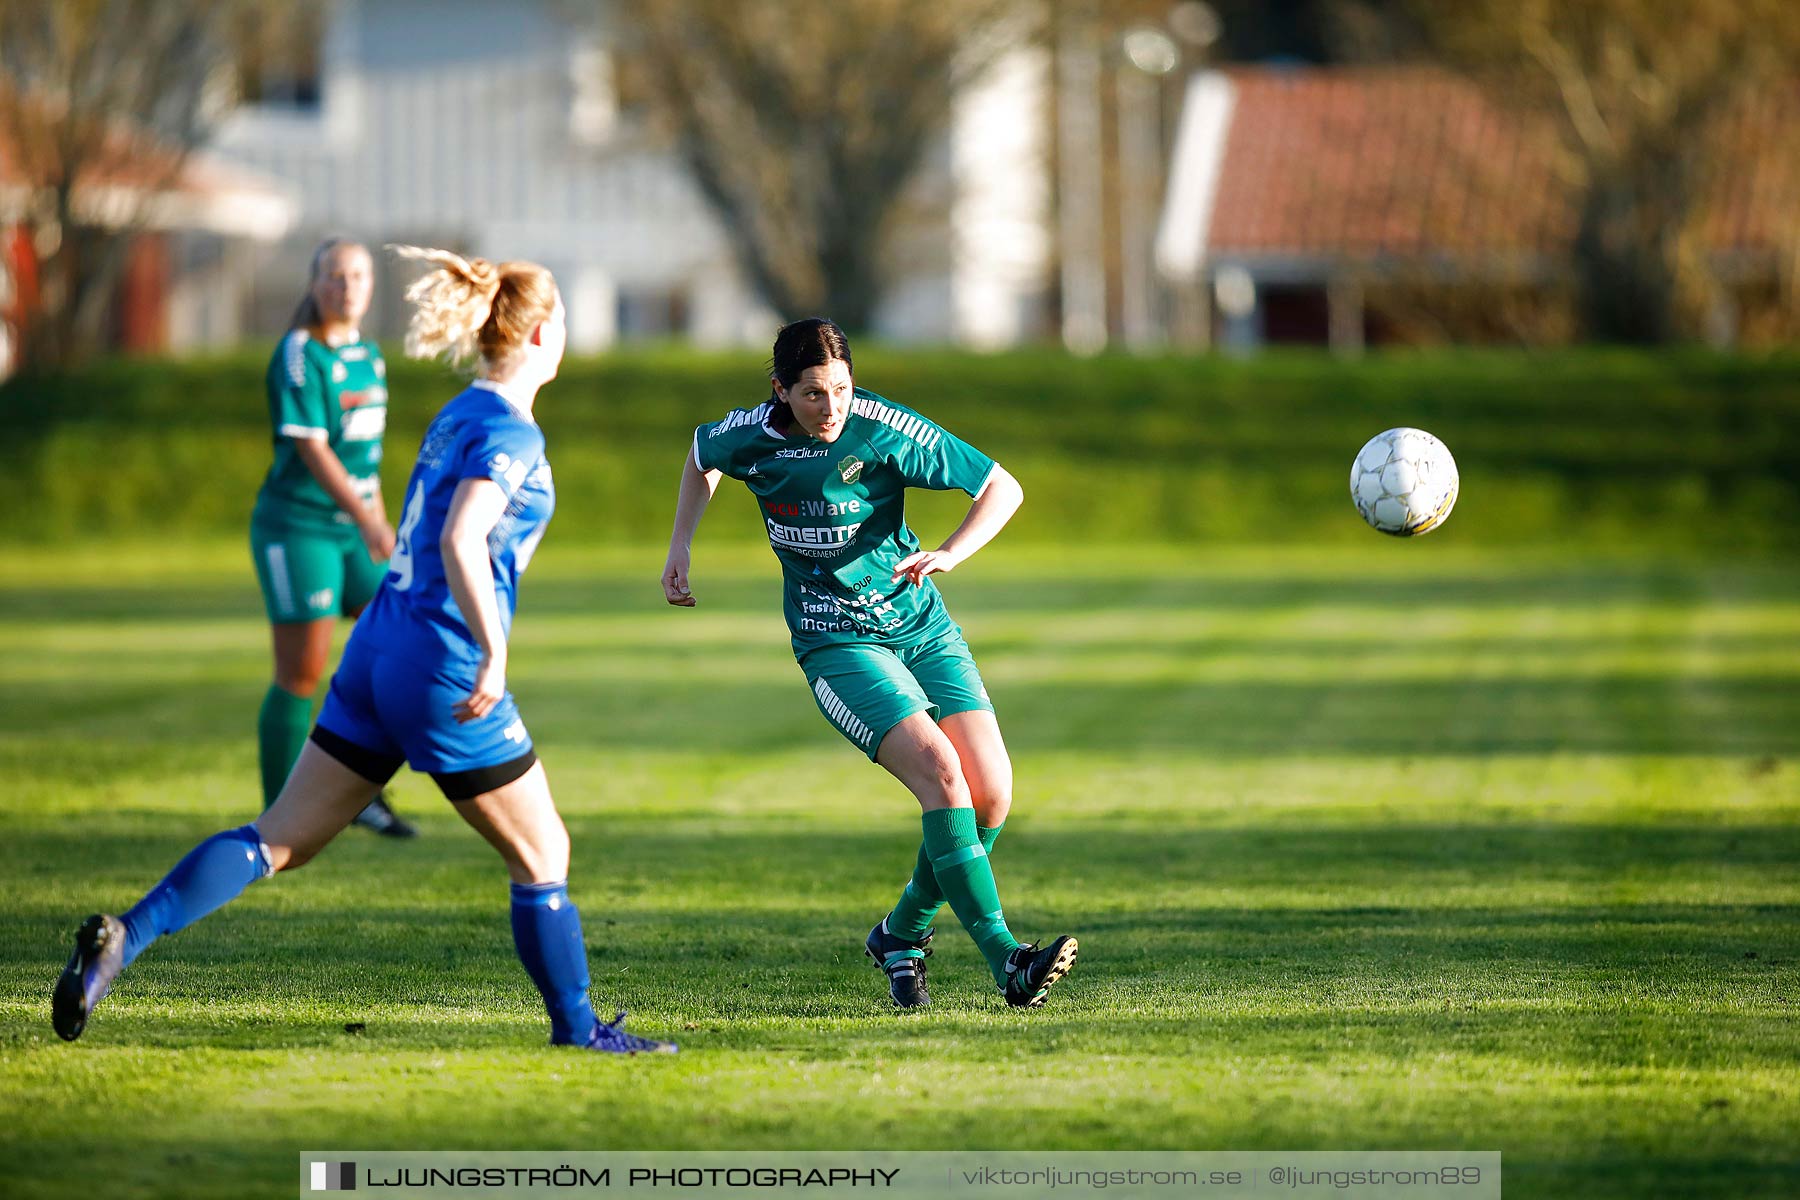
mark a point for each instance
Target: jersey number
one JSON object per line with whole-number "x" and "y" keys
{"x": 400, "y": 566}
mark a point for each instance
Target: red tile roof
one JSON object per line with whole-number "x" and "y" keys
{"x": 1412, "y": 161}
{"x": 127, "y": 158}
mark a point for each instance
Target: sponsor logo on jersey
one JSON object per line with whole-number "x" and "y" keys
{"x": 364, "y": 424}
{"x": 515, "y": 732}
{"x": 814, "y": 508}
{"x": 814, "y": 541}
{"x": 804, "y": 452}
{"x": 354, "y": 353}
{"x": 437, "y": 439}
{"x": 849, "y": 468}
{"x": 369, "y": 395}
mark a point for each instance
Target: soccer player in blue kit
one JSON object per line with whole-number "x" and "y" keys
{"x": 423, "y": 678}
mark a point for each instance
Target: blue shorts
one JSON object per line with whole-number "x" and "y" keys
{"x": 396, "y": 708}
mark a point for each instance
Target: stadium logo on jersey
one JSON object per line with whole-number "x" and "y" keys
{"x": 849, "y": 468}
{"x": 339, "y": 372}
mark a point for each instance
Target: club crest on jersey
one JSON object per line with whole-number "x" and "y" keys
{"x": 849, "y": 468}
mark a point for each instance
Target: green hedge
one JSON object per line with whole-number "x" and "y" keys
{"x": 1600, "y": 447}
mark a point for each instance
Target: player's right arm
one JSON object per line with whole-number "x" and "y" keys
{"x": 475, "y": 508}
{"x": 697, "y": 488}
{"x": 328, "y": 470}
{"x": 302, "y": 415}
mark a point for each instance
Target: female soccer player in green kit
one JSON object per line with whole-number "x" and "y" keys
{"x": 829, "y": 464}
{"x": 319, "y": 532}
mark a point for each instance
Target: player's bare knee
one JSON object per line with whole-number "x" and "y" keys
{"x": 288, "y": 858}
{"x": 543, "y": 859}
{"x": 991, "y": 806}
{"x": 299, "y": 683}
{"x": 944, "y": 786}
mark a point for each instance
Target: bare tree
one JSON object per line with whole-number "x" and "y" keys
{"x": 1638, "y": 89}
{"x": 101, "y": 103}
{"x": 803, "y": 120}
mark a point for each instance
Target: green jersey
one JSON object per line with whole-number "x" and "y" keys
{"x": 334, "y": 394}
{"x": 836, "y": 518}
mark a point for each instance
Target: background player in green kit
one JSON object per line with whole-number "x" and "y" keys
{"x": 319, "y": 531}
{"x": 829, "y": 465}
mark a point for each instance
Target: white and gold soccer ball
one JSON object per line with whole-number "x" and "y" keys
{"x": 1404, "y": 482}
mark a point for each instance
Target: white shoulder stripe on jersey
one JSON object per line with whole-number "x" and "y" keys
{"x": 742, "y": 416}
{"x": 294, "y": 356}
{"x": 306, "y": 433}
{"x": 697, "y": 465}
{"x": 916, "y": 428}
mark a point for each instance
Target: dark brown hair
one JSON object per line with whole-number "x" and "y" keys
{"x": 809, "y": 342}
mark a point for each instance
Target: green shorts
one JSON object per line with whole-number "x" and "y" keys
{"x": 306, "y": 575}
{"x": 865, "y": 690}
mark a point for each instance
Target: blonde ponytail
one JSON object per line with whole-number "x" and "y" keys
{"x": 470, "y": 306}
{"x": 450, "y": 304}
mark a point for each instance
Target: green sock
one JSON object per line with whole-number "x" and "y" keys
{"x": 922, "y": 897}
{"x": 281, "y": 729}
{"x": 961, "y": 866}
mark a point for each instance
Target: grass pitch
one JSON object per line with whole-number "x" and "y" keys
{"x": 1396, "y": 847}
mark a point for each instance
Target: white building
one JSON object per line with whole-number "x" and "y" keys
{"x": 492, "y": 128}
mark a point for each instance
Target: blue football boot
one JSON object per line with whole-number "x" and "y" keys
{"x": 609, "y": 1038}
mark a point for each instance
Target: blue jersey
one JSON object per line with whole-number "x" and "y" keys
{"x": 479, "y": 435}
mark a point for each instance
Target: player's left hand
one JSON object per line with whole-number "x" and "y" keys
{"x": 915, "y": 567}
{"x": 490, "y": 686}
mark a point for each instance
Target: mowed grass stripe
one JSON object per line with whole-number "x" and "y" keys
{"x": 1509, "y": 865}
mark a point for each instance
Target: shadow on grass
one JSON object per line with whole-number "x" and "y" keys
{"x": 1405, "y": 717}
{"x": 1608, "y": 714}
{"x": 755, "y": 927}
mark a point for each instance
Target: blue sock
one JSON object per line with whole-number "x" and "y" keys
{"x": 547, "y": 932}
{"x": 213, "y": 873}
